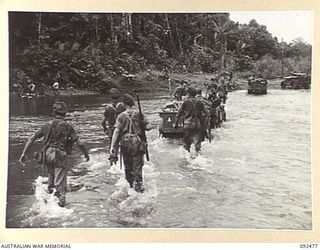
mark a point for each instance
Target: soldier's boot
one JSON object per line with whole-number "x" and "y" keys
{"x": 197, "y": 147}
{"x": 187, "y": 147}
{"x": 138, "y": 187}
{"x": 62, "y": 201}
{"x": 50, "y": 190}
{"x": 61, "y": 198}
{"x": 138, "y": 184}
{"x": 198, "y": 150}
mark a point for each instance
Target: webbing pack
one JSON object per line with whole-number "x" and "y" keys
{"x": 131, "y": 141}
{"x": 192, "y": 122}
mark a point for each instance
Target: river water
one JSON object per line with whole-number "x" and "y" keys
{"x": 255, "y": 174}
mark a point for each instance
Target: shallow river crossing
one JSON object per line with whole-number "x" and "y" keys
{"x": 256, "y": 173}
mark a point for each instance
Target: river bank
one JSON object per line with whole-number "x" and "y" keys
{"x": 148, "y": 82}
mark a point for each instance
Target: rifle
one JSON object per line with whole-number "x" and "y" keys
{"x": 120, "y": 158}
{"x": 144, "y": 136}
{"x": 169, "y": 81}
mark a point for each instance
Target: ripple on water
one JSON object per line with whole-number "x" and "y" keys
{"x": 256, "y": 173}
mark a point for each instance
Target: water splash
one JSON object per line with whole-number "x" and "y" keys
{"x": 92, "y": 150}
{"x": 122, "y": 192}
{"x": 261, "y": 173}
{"x": 134, "y": 206}
{"x": 115, "y": 169}
{"x": 46, "y": 205}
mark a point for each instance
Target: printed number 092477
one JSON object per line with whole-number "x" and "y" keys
{"x": 308, "y": 245}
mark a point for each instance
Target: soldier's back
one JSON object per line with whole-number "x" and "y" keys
{"x": 110, "y": 114}
{"x": 59, "y": 132}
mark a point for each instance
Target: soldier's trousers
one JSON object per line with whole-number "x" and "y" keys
{"x": 109, "y": 135}
{"x": 57, "y": 179}
{"x": 133, "y": 168}
{"x": 193, "y": 136}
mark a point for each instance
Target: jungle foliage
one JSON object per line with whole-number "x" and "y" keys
{"x": 90, "y": 50}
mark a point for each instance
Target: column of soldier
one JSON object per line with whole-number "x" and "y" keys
{"x": 125, "y": 126}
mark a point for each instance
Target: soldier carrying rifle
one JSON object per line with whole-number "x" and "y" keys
{"x": 130, "y": 126}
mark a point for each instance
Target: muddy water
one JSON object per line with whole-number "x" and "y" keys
{"x": 256, "y": 173}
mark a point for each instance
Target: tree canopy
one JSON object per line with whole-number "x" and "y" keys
{"x": 87, "y": 48}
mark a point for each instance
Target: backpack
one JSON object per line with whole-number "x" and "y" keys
{"x": 192, "y": 122}
{"x": 131, "y": 143}
{"x": 53, "y": 156}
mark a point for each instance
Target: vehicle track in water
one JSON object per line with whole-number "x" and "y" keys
{"x": 256, "y": 173}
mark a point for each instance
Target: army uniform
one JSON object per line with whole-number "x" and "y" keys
{"x": 111, "y": 112}
{"x": 222, "y": 91}
{"x": 192, "y": 111}
{"x": 56, "y": 134}
{"x": 204, "y": 120}
{"x": 128, "y": 128}
{"x": 59, "y": 136}
{"x": 180, "y": 91}
{"x": 110, "y": 115}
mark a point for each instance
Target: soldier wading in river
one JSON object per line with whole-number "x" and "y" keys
{"x": 59, "y": 136}
{"x": 193, "y": 111}
{"x": 204, "y": 120}
{"x": 111, "y": 112}
{"x": 129, "y": 127}
{"x": 181, "y": 90}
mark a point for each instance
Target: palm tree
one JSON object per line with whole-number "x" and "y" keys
{"x": 222, "y": 30}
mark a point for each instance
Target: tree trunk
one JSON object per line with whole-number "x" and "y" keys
{"x": 129, "y": 22}
{"x": 96, "y": 29}
{"x": 39, "y": 29}
{"x": 205, "y": 33}
{"x": 112, "y": 35}
{"x": 223, "y": 50}
{"x": 142, "y": 25}
{"x": 179, "y": 39}
{"x": 171, "y": 43}
{"x": 282, "y": 56}
{"x": 126, "y": 22}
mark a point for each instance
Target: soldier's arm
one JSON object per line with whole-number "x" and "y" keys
{"x": 103, "y": 123}
{"x": 83, "y": 148}
{"x": 118, "y": 127}
{"x": 29, "y": 143}
{"x": 115, "y": 136}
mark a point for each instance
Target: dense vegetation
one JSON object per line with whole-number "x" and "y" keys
{"x": 91, "y": 50}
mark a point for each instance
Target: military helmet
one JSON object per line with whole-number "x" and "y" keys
{"x": 115, "y": 93}
{"x": 120, "y": 108}
{"x": 60, "y": 107}
{"x": 128, "y": 100}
